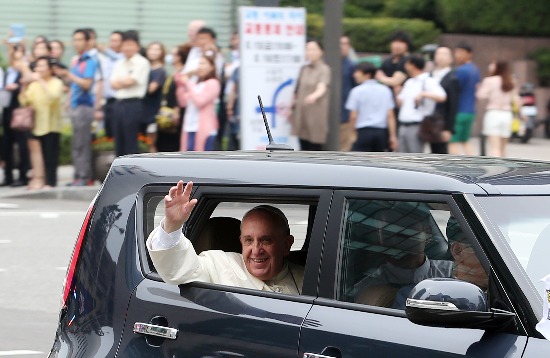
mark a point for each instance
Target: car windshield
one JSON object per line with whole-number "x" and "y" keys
{"x": 525, "y": 223}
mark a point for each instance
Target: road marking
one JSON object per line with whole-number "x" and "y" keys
{"x": 5, "y": 241}
{"x": 41, "y": 213}
{"x": 18, "y": 353}
{"x": 49, "y": 215}
{"x": 8, "y": 206}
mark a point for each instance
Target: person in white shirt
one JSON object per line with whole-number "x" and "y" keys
{"x": 195, "y": 53}
{"x": 265, "y": 239}
{"x": 129, "y": 79}
{"x": 417, "y": 99}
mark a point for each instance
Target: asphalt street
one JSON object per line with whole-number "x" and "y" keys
{"x": 38, "y": 232}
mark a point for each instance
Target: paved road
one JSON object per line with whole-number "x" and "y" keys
{"x": 36, "y": 241}
{"x": 37, "y": 237}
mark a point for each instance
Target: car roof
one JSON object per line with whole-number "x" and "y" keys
{"x": 377, "y": 171}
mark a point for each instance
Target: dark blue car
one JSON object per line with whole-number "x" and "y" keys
{"x": 403, "y": 256}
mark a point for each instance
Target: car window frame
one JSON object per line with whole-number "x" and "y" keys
{"x": 511, "y": 275}
{"x": 330, "y": 269}
{"x": 257, "y": 192}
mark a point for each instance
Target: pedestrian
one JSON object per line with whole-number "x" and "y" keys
{"x": 371, "y": 108}
{"x": 468, "y": 79}
{"x": 200, "y": 125}
{"x": 310, "y": 109}
{"x": 43, "y": 94}
{"x": 206, "y": 40}
{"x": 57, "y": 50}
{"x": 500, "y": 92}
{"x": 13, "y": 138}
{"x": 443, "y": 73}
{"x": 107, "y": 58}
{"x": 169, "y": 135}
{"x": 417, "y": 99}
{"x": 348, "y": 82}
{"x": 392, "y": 72}
{"x": 195, "y": 53}
{"x": 129, "y": 79}
{"x": 157, "y": 76}
{"x": 81, "y": 77}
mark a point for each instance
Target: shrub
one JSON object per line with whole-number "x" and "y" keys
{"x": 542, "y": 58}
{"x": 372, "y": 35}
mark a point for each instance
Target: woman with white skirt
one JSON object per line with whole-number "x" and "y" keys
{"x": 500, "y": 91}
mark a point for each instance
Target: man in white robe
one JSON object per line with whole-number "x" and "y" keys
{"x": 265, "y": 239}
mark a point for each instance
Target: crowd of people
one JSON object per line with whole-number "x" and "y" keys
{"x": 130, "y": 90}
{"x": 125, "y": 88}
{"x": 391, "y": 108}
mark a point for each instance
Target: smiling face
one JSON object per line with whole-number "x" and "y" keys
{"x": 265, "y": 244}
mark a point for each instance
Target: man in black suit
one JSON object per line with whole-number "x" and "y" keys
{"x": 443, "y": 73}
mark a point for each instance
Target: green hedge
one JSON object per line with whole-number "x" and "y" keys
{"x": 542, "y": 58}
{"x": 373, "y": 34}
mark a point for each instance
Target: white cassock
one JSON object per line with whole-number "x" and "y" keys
{"x": 177, "y": 263}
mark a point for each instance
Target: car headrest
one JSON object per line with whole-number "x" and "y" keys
{"x": 220, "y": 233}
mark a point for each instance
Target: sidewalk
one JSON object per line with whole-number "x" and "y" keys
{"x": 62, "y": 191}
{"x": 536, "y": 149}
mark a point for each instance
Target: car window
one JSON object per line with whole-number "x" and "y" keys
{"x": 388, "y": 246}
{"x": 215, "y": 223}
{"x": 525, "y": 223}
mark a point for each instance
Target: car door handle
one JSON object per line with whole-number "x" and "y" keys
{"x": 154, "y": 330}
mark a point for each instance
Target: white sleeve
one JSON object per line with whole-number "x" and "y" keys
{"x": 161, "y": 240}
{"x": 351, "y": 101}
{"x": 435, "y": 88}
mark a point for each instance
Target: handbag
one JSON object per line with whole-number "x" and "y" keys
{"x": 22, "y": 119}
{"x": 431, "y": 127}
{"x": 164, "y": 118}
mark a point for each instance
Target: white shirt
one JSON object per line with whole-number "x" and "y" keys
{"x": 107, "y": 61}
{"x": 412, "y": 88}
{"x": 177, "y": 263}
{"x": 191, "y": 116}
{"x": 138, "y": 68}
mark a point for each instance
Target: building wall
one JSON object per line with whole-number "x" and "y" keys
{"x": 156, "y": 20}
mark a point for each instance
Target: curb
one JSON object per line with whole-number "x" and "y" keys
{"x": 77, "y": 194}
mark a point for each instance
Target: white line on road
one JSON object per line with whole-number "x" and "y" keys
{"x": 41, "y": 213}
{"x": 5, "y": 241}
{"x": 8, "y": 206}
{"x": 18, "y": 353}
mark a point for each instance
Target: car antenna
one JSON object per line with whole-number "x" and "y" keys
{"x": 271, "y": 145}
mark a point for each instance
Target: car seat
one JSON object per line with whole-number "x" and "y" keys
{"x": 220, "y": 233}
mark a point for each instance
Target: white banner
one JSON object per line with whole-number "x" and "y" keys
{"x": 272, "y": 46}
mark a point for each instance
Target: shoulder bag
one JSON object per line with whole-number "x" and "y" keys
{"x": 22, "y": 119}
{"x": 431, "y": 125}
{"x": 165, "y": 116}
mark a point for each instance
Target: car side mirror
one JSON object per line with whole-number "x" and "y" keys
{"x": 447, "y": 302}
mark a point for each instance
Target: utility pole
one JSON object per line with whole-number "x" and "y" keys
{"x": 333, "y": 11}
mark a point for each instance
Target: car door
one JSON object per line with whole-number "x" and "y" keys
{"x": 209, "y": 320}
{"x": 357, "y": 313}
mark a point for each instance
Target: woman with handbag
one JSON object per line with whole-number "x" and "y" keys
{"x": 43, "y": 95}
{"x": 499, "y": 91}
